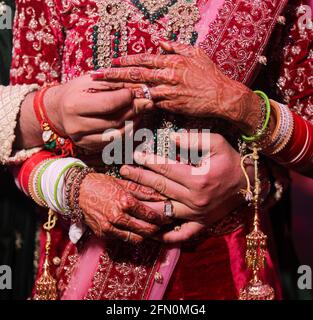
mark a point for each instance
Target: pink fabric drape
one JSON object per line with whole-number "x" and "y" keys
{"x": 166, "y": 270}
{"x": 86, "y": 268}
{"x": 88, "y": 264}
{"x": 208, "y": 10}
{"x": 88, "y": 260}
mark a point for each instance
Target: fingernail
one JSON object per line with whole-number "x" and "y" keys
{"x": 116, "y": 61}
{"x": 96, "y": 75}
{"x": 124, "y": 171}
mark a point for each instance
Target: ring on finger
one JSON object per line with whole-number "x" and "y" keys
{"x": 146, "y": 92}
{"x": 168, "y": 209}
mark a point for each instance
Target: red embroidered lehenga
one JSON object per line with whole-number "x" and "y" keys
{"x": 53, "y": 42}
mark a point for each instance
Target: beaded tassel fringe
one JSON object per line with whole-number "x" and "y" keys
{"x": 256, "y": 241}
{"x": 46, "y": 285}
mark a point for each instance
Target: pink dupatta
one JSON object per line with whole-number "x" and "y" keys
{"x": 88, "y": 260}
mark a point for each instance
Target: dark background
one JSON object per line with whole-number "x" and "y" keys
{"x": 17, "y": 214}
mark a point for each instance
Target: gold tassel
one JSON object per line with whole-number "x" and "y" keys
{"x": 256, "y": 240}
{"x": 46, "y": 285}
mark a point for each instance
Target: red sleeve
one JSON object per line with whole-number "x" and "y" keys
{"x": 37, "y": 54}
{"x": 37, "y": 43}
{"x": 296, "y": 88}
{"x": 296, "y": 80}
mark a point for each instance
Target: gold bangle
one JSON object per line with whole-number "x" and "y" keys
{"x": 31, "y": 189}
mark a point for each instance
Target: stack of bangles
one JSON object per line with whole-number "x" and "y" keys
{"x": 54, "y": 182}
{"x": 50, "y": 136}
{"x": 297, "y": 150}
{"x": 291, "y": 141}
{"x": 274, "y": 142}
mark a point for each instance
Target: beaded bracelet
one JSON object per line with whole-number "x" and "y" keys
{"x": 69, "y": 180}
{"x": 77, "y": 212}
{"x": 261, "y": 131}
{"x": 71, "y": 165}
{"x": 72, "y": 190}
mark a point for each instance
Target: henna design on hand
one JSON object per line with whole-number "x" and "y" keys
{"x": 111, "y": 211}
{"x": 188, "y": 82}
{"x": 141, "y": 192}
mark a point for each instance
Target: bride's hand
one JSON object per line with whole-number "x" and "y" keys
{"x": 111, "y": 209}
{"x": 200, "y": 195}
{"x": 186, "y": 81}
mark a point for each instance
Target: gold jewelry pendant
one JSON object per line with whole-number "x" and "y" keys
{"x": 255, "y": 258}
{"x": 154, "y": 5}
{"x": 46, "y": 285}
{"x": 182, "y": 18}
{"x": 256, "y": 240}
{"x": 113, "y": 20}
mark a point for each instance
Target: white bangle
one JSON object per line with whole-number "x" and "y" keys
{"x": 52, "y": 182}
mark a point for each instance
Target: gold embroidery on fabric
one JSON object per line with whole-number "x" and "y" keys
{"x": 68, "y": 264}
{"x": 239, "y": 34}
{"x": 118, "y": 17}
{"x": 127, "y": 279}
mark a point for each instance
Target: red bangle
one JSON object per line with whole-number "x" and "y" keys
{"x": 53, "y": 140}
{"x": 28, "y": 166}
{"x": 298, "y": 153}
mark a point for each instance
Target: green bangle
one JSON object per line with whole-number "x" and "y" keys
{"x": 259, "y": 134}
{"x": 43, "y": 169}
{"x": 71, "y": 165}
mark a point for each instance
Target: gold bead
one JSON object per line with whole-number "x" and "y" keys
{"x": 158, "y": 277}
{"x": 262, "y": 60}
{"x": 56, "y": 261}
{"x": 281, "y": 20}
